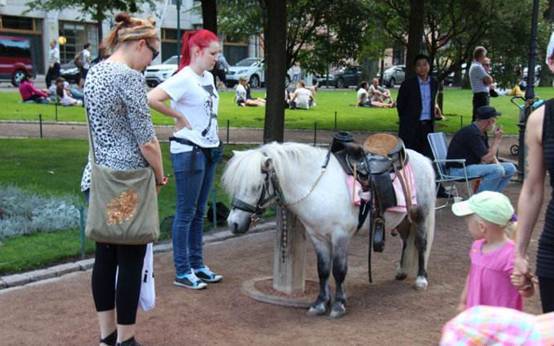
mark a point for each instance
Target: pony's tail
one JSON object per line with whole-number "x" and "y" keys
{"x": 411, "y": 256}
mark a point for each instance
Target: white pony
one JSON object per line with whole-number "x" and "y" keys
{"x": 293, "y": 173}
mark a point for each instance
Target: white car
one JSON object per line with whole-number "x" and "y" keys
{"x": 250, "y": 68}
{"x": 156, "y": 74}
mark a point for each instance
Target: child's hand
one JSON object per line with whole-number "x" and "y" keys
{"x": 519, "y": 280}
{"x": 461, "y": 307}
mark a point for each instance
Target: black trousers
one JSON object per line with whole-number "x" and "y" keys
{"x": 480, "y": 99}
{"x": 124, "y": 297}
{"x": 546, "y": 288}
{"x": 52, "y": 74}
{"x": 418, "y": 141}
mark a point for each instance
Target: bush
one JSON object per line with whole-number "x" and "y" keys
{"x": 25, "y": 212}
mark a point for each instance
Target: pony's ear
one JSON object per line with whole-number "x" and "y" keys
{"x": 237, "y": 153}
{"x": 267, "y": 165}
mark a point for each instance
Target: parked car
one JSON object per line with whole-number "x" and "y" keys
{"x": 70, "y": 72}
{"x": 349, "y": 76}
{"x": 15, "y": 58}
{"x": 250, "y": 68}
{"x": 341, "y": 78}
{"x": 394, "y": 75}
{"x": 156, "y": 74}
{"x": 523, "y": 82}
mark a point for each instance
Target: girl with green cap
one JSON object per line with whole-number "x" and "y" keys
{"x": 489, "y": 216}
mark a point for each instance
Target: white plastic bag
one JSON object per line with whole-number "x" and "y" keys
{"x": 147, "y": 300}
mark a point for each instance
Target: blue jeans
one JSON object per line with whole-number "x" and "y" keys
{"x": 494, "y": 177}
{"x": 194, "y": 174}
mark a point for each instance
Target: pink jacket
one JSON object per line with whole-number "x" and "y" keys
{"x": 28, "y": 90}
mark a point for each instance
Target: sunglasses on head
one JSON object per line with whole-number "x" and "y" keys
{"x": 155, "y": 53}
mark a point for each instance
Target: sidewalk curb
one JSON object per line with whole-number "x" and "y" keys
{"x": 21, "y": 279}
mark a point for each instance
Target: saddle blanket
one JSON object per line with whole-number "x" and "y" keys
{"x": 358, "y": 194}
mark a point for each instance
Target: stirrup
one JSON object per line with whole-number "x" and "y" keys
{"x": 111, "y": 339}
{"x": 379, "y": 235}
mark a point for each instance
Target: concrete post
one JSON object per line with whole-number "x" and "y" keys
{"x": 289, "y": 255}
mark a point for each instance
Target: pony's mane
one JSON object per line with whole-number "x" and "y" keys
{"x": 243, "y": 171}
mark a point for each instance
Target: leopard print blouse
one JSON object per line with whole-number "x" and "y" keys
{"x": 120, "y": 121}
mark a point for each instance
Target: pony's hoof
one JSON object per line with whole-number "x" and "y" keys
{"x": 401, "y": 276}
{"x": 337, "y": 311}
{"x": 317, "y": 309}
{"x": 421, "y": 283}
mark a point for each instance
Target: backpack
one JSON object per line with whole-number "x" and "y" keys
{"x": 78, "y": 61}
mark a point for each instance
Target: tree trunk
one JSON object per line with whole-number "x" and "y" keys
{"x": 99, "y": 19}
{"x": 275, "y": 32}
{"x": 209, "y": 15}
{"x": 415, "y": 35}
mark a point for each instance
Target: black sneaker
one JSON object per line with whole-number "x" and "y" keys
{"x": 206, "y": 275}
{"x": 129, "y": 342}
{"x": 190, "y": 281}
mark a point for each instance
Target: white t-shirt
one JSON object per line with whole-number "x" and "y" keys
{"x": 241, "y": 93}
{"x": 197, "y": 99}
{"x": 85, "y": 59}
{"x": 362, "y": 95}
{"x": 303, "y": 96}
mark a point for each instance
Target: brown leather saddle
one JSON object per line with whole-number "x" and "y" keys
{"x": 380, "y": 153}
{"x": 371, "y": 164}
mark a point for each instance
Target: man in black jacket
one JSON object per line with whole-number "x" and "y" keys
{"x": 417, "y": 108}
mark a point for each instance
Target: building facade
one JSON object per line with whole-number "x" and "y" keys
{"x": 41, "y": 27}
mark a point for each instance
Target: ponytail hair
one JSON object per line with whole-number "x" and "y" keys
{"x": 129, "y": 28}
{"x": 200, "y": 38}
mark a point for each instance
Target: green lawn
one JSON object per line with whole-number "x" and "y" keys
{"x": 55, "y": 167}
{"x": 457, "y": 103}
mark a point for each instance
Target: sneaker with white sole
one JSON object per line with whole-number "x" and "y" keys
{"x": 190, "y": 280}
{"x": 208, "y": 276}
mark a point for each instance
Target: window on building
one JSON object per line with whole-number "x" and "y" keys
{"x": 77, "y": 34}
{"x": 17, "y": 23}
{"x": 171, "y": 34}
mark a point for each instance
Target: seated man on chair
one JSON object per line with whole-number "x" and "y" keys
{"x": 471, "y": 143}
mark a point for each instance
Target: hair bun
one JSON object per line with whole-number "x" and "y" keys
{"x": 123, "y": 18}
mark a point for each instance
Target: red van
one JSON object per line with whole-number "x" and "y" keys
{"x": 15, "y": 58}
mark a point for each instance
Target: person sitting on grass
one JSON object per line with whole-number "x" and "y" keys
{"x": 243, "y": 96}
{"x": 364, "y": 99}
{"x": 302, "y": 97}
{"x": 60, "y": 93}
{"x": 30, "y": 93}
{"x": 380, "y": 95}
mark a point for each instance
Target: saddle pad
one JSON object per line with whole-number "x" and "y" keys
{"x": 355, "y": 190}
{"x": 380, "y": 144}
{"x": 409, "y": 174}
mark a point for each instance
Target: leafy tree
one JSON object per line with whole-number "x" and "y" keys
{"x": 319, "y": 32}
{"x": 96, "y": 9}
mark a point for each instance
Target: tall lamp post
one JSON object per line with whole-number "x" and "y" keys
{"x": 530, "y": 90}
{"x": 178, "y": 4}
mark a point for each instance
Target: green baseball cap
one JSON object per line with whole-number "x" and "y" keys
{"x": 490, "y": 206}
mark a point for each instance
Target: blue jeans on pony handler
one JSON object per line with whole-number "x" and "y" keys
{"x": 194, "y": 174}
{"x": 494, "y": 177}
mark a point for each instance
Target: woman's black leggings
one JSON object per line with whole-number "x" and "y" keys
{"x": 546, "y": 287}
{"x": 124, "y": 297}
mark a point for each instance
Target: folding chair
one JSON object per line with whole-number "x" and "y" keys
{"x": 439, "y": 147}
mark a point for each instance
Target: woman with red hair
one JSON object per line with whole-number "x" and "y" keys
{"x": 195, "y": 150}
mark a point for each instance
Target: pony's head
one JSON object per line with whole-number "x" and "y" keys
{"x": 247, "y": 179}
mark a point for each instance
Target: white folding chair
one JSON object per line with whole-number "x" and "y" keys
{"x": 439, "y": 147}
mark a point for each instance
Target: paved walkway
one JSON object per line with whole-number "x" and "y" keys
{"x": 31, "y": 129}
{"x": 388, "y": 312}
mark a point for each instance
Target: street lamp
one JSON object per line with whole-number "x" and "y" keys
{"x": 178, "y": 3}
{"x": 529, "y": 90}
